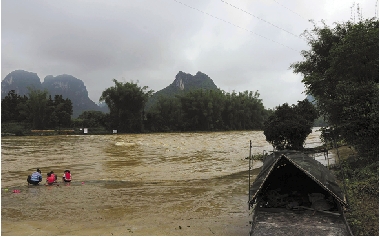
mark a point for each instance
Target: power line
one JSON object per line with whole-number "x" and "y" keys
{"x": 234, "y": 25}
{"x": 290, "y": 10}
{"x": 376, "y": 10}
{"x": 260, "y": 19}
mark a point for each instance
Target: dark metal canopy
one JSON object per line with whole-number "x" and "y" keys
{"x": 303, "y": 162}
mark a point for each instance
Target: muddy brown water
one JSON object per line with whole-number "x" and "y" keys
{"x": 142, "y": 184}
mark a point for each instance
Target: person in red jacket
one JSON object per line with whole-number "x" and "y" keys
{"x": 55, "y": 176}
{"x": 50, "y": 180}
{"x": 66, "y": 176}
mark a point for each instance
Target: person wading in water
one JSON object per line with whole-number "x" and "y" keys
{"x": 66, "y": 176}
{"x": 35, "y": 178}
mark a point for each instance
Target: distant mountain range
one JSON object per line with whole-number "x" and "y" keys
{"x": 75, "y": 90}
{"x": 65, "y": 85}
{"x": 182, "y": 83}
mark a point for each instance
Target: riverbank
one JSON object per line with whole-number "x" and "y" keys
{"x": 360, "y": 181}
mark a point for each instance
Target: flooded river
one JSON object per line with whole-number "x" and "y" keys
{"x": 140, "y": 184}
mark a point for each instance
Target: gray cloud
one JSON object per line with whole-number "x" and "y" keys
{"x": 151, "y": 40}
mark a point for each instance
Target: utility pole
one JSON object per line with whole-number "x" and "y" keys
{"x": 249, "y": 174}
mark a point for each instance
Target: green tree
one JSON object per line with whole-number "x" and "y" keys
{"x": 126, "y": 102}
{"x": 199, "y": 109}
{"x": 341, "y": 70}
{"x": 37, "y": 107}
{"x": 93, "y": 119}
{"x": 288, "y": 126}
{"x": 63, "y": 109}
{"x": 13, "y": 107}
{"x": 50, "y": 117}
{"x": 192, "y": 108}
{"x": 207, "y": 110}
{"x": 165, "y": 115}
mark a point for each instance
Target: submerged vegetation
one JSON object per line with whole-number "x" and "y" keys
{"x": 288, "y": 126}
{"x": 257, "y": 157}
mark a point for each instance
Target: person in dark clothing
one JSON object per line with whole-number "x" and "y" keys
{"x": 35, "y": 178}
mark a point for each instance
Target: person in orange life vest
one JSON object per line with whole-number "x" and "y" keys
{"x": 50, "y": 179}
{"x": 66, "y": 176}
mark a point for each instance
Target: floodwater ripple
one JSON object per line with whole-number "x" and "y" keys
{"x": 131, "y": 184}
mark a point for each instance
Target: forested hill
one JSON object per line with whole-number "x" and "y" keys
{"x": 183, "y": 82}
{"x": 72, "y": 88}
{"x": 65, "y": 85}
{"x": 19, "y": 81}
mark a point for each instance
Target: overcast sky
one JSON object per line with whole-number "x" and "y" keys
{"x": 240, "y": 44}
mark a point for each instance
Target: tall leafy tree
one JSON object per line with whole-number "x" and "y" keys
{"x": 37, "y": 106}
{"x": 38, "y": 109}
{"x": 165, "y": 115}
{"x": 341, "y": 70}
{"x": 208, "y": 110}
{"x": 63, "y": 109}
{"x": 50, "y": 116}
{"x": 126, "y": 102}
{"x": 195, "y": 110}
{"x": 92, "y": 119}
{"x": 288, "y": 126}
{"x": 13, "y": 107}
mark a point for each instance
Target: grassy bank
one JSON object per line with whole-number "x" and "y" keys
{"x": 359, "y": 179}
